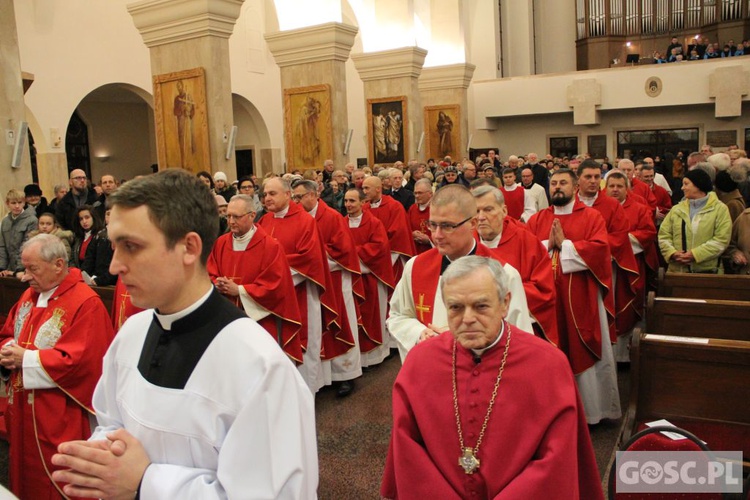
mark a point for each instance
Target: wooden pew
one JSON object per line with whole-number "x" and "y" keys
{"x": 704, "y": 286}
{"x": 698, "y": 384}
{"x": 724, "y": 319}
{"x": 11, "y": 290}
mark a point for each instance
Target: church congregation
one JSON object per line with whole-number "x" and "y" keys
{"x": 373, "y": 249}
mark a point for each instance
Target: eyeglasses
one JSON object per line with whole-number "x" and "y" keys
{"x": 79, "y": 178}
{"x": 446, "y": 227}
{"x": 298, "y": 197}
{"x": 237, "y": 217}
{"x": 246, "y": 186}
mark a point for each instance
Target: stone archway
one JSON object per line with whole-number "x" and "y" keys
{"x": 253, "y": 141}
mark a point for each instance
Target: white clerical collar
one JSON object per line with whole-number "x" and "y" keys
{"x": 281, "y": 213}
{"x": 355, "y": 221}
{"x": 565, "y": 210}
{"x": 422, "y": 208}
{"x": 240, "y": 243}
{"x": 511, "y": 188}
{"x": 44, "y": 297}
{"x": 376, "y": 204}
{"x": 166, "y": 320}
{"x": 494, "y": 242}
{"x": 588, "y": 201}
{"x": 314, "y": 211}
{"x": 479, "y": 352}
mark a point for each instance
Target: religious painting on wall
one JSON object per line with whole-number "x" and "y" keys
{"x": 442, "y": 125}
{"x": 385, "y": 130}
{"x": 181, "y": 117}
{"x": 308, "y": 129}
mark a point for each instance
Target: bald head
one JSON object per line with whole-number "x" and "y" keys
{"x": 458, "y": 195}
{"x": 373, "y": 189}
{"x": 78, "y": 181}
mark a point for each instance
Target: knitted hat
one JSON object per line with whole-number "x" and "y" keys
{"x": 220, "y": 200}
{"x": 700, "y": 179}
{"x": 724, "y": 181}
{"x": 32, "y": 190}
{"x": 220, "y": 176}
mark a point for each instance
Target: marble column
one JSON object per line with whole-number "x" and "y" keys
{"x": 390, "y": 75}
{"x": 188, "y": 34}
{"x": 313, "y": 58}
{"x": 12, "y": 109}
{"x": 443, "y": 87}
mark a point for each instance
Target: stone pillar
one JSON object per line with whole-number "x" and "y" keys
{"x": 393, "y": 74}
{"x": 444, "y": 87}
{"x": 309, "y": 58}
{"x": 194, "y": 34}
{"x": 12, "y": 108}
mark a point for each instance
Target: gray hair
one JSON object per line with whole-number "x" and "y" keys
{"x": 708, "y": 168}
{"x": 394, "y": 171}
{"x": 485, "y": 190}
{"x": 51, "y": 247}
{"x": 308, "y": 185}
{"x": 720, "y": 161}
{"x": 423, "y": 182}
{"x": 58, "y": 188}
{"x": 247, "y": 199}
{"x": 465, "y": 266}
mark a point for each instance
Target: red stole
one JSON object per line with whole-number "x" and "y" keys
{"x": 374, "y": 251}
{"x": 425, "y": 276}
{"x": 418, "y": 222}
{"x": 514, "y": 201}
{"x": 262, "y": 270}
{"x": 577, "y": 312}
{"x": 393, "y": 216}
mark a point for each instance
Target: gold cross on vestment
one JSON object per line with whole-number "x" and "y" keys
{"x": 422, "y": 307}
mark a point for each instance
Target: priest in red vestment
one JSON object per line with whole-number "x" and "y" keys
{"x": 52, "y": 346}
{"x": 472, "y": 418}
{"x": 341, "y": 360}
{"x": 626, "y": 277}
{"x": 637, "y": 186}
{"x": 419, "y": 214}
{"x": 663, "y": 198}
{"x": 518, "y": 247}
{"x": 250, "y": 269}
{"x": 417, "y": 310}
{"x": 642, "y": 236}
{"x": 298, "y": 235}
{"x": 576, "y": 237}
{"x": 393, "y": 216}
{"x": 374, "y": 254}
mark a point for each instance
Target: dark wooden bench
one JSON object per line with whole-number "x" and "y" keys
{"x": 724, "y": 319}
{"x": 11, "y": 290}
{"x": 704, "y": 286}
{"x": 698, "y": 384}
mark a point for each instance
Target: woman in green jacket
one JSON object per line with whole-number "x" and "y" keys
{"x": 697, "y": 230}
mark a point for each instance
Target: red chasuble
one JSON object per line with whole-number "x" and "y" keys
{"x": 536, "y": 444}
{"x": 72, "y": 335}
{"x": 663, "y": 200}
{"x": 305, "y": 253}
{"x": 523, "y": 250}
{"x": 393, "y": 216}
{"x": 418, "y": 222}
{"x": 641, "y": 188}
{"x": 425, "y": 275}
{"x": 641, "y": 226}
{"x": 262, "y": 270}
{"x": 628, "y": 277}
{"x": 577, "y": 312}
{"x": 374, "y": 251}
{"x": 340, "y": 248}
{"x": 514, "y": 201}
{"x": 122, "y": 306}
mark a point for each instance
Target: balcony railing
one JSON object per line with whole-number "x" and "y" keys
{"x": 598, "y": 18}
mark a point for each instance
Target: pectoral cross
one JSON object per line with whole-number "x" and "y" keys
{"x": 468, "y": 462}
{"x": 422, "y": 307}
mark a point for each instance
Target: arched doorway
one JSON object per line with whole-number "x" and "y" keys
{"x": 252, "y": 142}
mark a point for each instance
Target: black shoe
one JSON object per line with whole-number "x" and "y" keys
{"x": 345, "y": 388}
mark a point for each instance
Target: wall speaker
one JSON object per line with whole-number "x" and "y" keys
{"x": 421, "y": 140}
{"x": 21, "y": 135}
{"x": 230, "y": 144}
{"x": 348, "y": 141}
